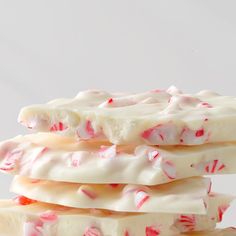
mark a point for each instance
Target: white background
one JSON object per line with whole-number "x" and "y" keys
{"x": 52, "y": 48}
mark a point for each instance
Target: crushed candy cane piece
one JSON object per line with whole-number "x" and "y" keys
{"x": 48, "y": 216}
{"x": 85, "y": 130}
{"x": 160, "y": 134}
{"x": 140, "y": 198}
{"x": 22, "y": 200}
{"x": 186, "y": 222}
{"x": 221, "y": 211}
{"x": 152, "y": 231}
{"x": 34, "y": 228}
{"x": 58, "y": 127}
{"x": 107, "y": 152}
{"x": 88, "y": 191}
{"x": 92, "y": 231}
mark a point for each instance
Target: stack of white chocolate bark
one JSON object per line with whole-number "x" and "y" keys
{"x": 105, "y": 164}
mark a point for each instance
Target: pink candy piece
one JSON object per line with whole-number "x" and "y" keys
{"x": 107, "y": 152}
{"x": 221, "y": 211}
{"x": 85, "y": 130}
{"x": 33, "y": 228}
{"x": 153, "y": 155}
{"x": 189, "y": 136}
{"x": 210, "y": 167}
{"x": 187, "y": 222}
{"x": 58, "y": 127}
{"x": 48, "y": 216}
{"x": 160, "y": 134}
{"x": 92, "y": 231}
{"x": 158, "y": 161}
{"x": 76, "y": 159}
{"x": 10, "y": 160}
{"x": 140, "y": 198}
{"x": 204, "y": 104}
{"x": 152, "y": 231}
{"x": 90, "y": 194}
{"x": 126, "y": 233}
{"x": 169, "y": 169}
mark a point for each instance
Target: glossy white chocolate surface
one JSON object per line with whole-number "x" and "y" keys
{"x": 24, "y": 218}
{"x": 159, "y": 117}
{"x": 186, "y": 196}
{"x": 59, "y": 158}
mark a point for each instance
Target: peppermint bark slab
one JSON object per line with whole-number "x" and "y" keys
{"x": 187, "y": 196}
{"x": 54, "y": 157}
{"x": 217, "y": 232}
{"x": 158, "y": 117}
{"x": 26, "y": 217}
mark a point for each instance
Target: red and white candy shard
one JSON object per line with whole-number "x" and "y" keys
{"x": 77, "y": 158}
{"x": 204, "y": 104}
{"x": 85, "y": 130}
{"x": 92, "y": 231}
{"x": 48, "y": 217}
{"x": 152, "y": 231}
{"x": 169, "y": 169}
{"x": 186, "y": 222}
{"x": 165, "y": 165}
{"x": 163, "y": 133}
{"x": 10, "y": 160}
{"x": 130, "y": 188}
{"x": 153, "y": 155}
{"x": 126, "y": 233}
{"x": 107, "y": 152}
{"x": 22, "y": 200}
{"x": 189, "y": 136}
{"x": 140, "y": 198}
{"x": 58, "y": 127}
{"x": 33, "y": 229}
{"x": 221, "y": 211}
{"x": 210, "y": 167}
{"x": 88, "y": 192}
{"x": 117, "y": 102}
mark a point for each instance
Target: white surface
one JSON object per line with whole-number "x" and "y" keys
{"x": 55, "y": 48}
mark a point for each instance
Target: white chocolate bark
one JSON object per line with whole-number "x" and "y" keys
{"x": 47, "y": 156}
{"x": 42, "y": 219}
{"x": 187, "y": 196}
{"x": 166, "y": 117}
{"x": 217, "y": 232}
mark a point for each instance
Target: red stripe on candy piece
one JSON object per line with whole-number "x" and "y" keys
{"x": 58, "y": 127}
{"x": 48, "y": 216}
{"x": 140, "y": 198}
{"x": 169, "y": 169}
{"x": 10, "y": 159}
{"x": 152, "y": 231}
{"x": 110, "y": 101}
{"x": 90, "y": 194}
{"x": 221, "y": 211}
{"x": 187, "y": 222}
{"x": 22, "y": 200}
{"x": 85, "y": 130}
{"x": 92, "y": 231}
